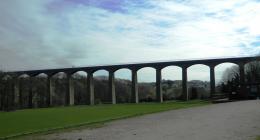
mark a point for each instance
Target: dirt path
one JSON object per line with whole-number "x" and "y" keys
{"x": 226, "y": 121}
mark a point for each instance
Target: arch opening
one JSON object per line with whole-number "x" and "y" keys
{"x": 146, "y": 84}
{"x": 123, "y": 85}
{"x": 225, "y": 72}
{"x": 81, "y": 96}
{"x": 39, "y": 90}
{"x": 59, "y": 84}
{"x": 228, "y": 80}
{"x": 198, "y": 77}
{"x": 24, "y": 90}
{"x": 172, "y": 83}
{"x": 6, "y": 92}
{"x": 101, "y": 87}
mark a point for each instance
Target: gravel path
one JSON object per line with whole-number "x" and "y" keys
{"x": 226, "y": 121}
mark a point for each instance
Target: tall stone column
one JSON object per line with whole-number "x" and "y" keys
{"x": 134, "y": 96}
{"x": 112, "y": 86}
{"x": 50, "y": 91}
{"x": 70, "y": 92}
{"x": 90, "y": 84}
{"x": 159, "y": 96}
{"x": 184, "y": 83}
{"x": 242, "y": 79}
{"x": 30, "y": 100}
{"x": 16, "y": 92}
{"x": 212, "y": 81}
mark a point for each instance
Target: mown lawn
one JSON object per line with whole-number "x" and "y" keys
{"x": 258, "y": 138}
{"x": 39, "y": 120}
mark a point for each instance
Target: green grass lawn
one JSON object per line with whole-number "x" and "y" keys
{"x": 39, "y": 120}
{"x": 258, "y": 138}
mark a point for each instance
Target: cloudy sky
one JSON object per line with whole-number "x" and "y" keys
{"x": 37, "y": 34}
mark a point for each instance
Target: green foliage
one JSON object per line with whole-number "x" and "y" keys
{"x": 258, "y": 138}
{"x": 39, "y": 120}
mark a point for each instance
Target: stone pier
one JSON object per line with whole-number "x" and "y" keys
{"x": 90, "y": 86}
{"x": 159, "y": 95}
{"x": 212, "y": 80}
{"x": 112, "y": 86}
{"x": 184, "y": 83}
{"x": 134, "y": 95}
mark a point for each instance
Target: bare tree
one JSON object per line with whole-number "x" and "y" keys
{"x": 230, "y": 73}
{"x": 231, "y": 79}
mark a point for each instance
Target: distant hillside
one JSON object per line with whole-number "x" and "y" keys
{"x": 172, "y": 89}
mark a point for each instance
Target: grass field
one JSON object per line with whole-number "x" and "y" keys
{"x": 258, "y": 138}
{"x": 39, "y": 120}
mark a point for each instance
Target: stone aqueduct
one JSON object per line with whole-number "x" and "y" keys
{"x": 158, "y": 66}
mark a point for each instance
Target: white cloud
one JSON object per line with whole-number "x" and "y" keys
{"x": 80, "y": 35}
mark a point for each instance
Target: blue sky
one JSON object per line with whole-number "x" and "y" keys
{"x": 40, "y": 34}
